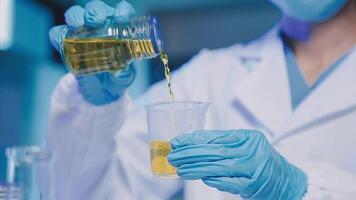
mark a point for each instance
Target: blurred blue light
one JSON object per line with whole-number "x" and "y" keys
{"x": 6, "y": 19}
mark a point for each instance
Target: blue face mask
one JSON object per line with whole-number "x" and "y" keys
{"x": 310, "y": 10}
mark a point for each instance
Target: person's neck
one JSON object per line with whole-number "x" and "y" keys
{"x": 328, "y": 41}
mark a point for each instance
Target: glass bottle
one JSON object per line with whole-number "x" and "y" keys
{"x": 22, "y": 163}
{"x": 112, "y": 46}
{"x": 9, "y": 191}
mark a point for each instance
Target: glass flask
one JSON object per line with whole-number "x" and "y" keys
{"x": 22, "y": 163}
{"x": 112, "y": 46}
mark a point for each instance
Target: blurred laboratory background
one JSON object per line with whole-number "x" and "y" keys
{"x": 30, "y": 67}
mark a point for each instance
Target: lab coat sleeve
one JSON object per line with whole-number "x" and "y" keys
{"x": 80, "y": 137}
{"x": 328, "y": 182}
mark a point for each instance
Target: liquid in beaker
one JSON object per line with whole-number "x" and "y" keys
{"x": 160, "y": 166}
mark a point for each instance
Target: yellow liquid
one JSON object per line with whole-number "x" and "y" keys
{"x": 167, "y": 73}
{"x": 159, "y": 164}
{"x": 89, "y": 55}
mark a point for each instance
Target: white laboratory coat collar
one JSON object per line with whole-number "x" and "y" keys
{"x": 266, "y": 82}
{"x": 332, "y": 99}
{"x": 266, "y": 93}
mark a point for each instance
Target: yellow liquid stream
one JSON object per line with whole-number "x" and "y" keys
{"x": 159, "y": 149}
{"x": 167, "y": 73}
{"x": 159, "y": 164}
{"x": 90, "y": 55}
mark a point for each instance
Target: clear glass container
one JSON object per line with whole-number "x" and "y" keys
{"x": 112, "y": 46}
{"x": 10, "y": 191}
{"x": 22, "y": 163}
{"x": 166, "y": 120}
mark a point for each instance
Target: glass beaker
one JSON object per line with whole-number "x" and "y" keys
{"x": 10, "y": 191}
{"x": 21, "y": 169}
{"x": 112, "y": 46}
{"x": 166, "y": 120}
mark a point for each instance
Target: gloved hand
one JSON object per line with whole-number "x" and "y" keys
{"x": 106, "y": 87}
{"x": 237, "y": 161}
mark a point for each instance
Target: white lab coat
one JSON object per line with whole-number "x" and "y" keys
{"x": 101, "y": 152}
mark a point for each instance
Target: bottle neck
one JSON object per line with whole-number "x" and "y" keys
{"x": 142, "y": 34}
{"x": 142, "y": 48}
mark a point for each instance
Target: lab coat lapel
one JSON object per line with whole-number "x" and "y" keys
{"x": 334, "y": 98}
{"x": 264, "y": 95}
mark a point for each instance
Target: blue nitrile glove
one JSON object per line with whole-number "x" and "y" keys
{"x": 106, "y": 87}
{"x": 237, "y": 161}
